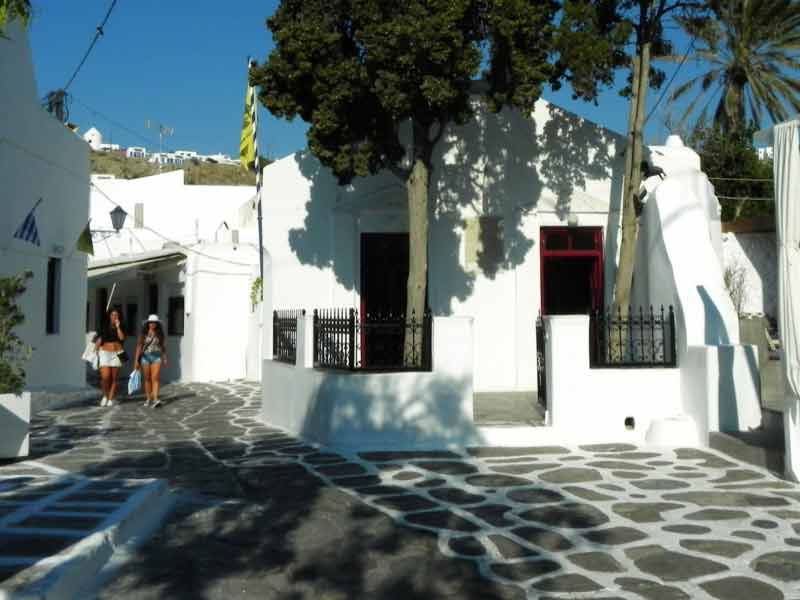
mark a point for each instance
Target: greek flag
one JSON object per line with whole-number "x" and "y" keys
{"x": 28, "y": 231}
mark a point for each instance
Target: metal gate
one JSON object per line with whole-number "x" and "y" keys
{"x": 541, "y": 364}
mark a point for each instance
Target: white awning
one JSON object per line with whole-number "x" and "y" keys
{"x": 130, "y": 268}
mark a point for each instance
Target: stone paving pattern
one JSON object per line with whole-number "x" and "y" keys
{"x": 44, "y": 511}
{"x": 267, "y": 515}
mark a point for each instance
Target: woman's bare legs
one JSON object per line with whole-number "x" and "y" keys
{"x": 112, "y": 387}
{"x": 155, "y": 383}
{"x": 105, "y": 382}
{"x": 148, "y": 392}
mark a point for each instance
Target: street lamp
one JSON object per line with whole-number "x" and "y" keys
{"x": 117, "y": 221}
{"x": 118, "y": 218}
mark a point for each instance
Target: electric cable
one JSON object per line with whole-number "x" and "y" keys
{"x": 82, "y": 179}
{"x": 133, "y": 132}
{"x": 98, "y": 34}
{"x": 669, "y": 83}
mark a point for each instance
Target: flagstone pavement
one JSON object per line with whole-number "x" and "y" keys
{"x": 264, "y": 515}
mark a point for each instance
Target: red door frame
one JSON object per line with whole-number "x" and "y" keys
{"x": 569, "y": 252}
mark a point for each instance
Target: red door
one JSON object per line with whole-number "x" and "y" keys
{"x": 571, "y": 270}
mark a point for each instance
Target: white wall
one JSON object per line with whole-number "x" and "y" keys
{"x": 41, "y": 158}
{"x": 380, "y": 410}
{"x": 679, "y": 263}
{"x": 755, "y": 255}
{"x": 216, "y": 287}
{"x": 182, "y": 213}
{"x": 594, "y": 403}
{"x": 218, "y": 308}
{"x": 530, "y": 172}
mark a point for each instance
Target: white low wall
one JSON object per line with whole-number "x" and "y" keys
{"x": 720, "y": 388}
{"x": 595, "y": 403}
{"x": 15, "y": 417}
{"x": 378, "y": 410}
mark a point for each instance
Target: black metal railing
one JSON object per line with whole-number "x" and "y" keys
{"x": 541, "y": 362}
{"x": 284, "y": 334}
{"x": 643, "y": 338}
{"x": 342, "y": 340}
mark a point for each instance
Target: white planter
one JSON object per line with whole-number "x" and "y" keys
{"x": 15, "y": 417}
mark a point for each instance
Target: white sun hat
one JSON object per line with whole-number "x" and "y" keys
{"x": 153, "y": 319}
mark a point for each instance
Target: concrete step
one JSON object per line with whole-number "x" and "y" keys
{"x": 761, "y": 448}
{"x": 66, "y": 535}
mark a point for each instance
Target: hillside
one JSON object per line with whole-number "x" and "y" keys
{"x": 195, "y": 172}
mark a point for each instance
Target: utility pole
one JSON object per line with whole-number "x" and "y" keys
{"x": 163, "y": 131}
{"x": 56, "y": 104}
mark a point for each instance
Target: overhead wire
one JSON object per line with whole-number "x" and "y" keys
{"x": 129, "y": 130}
{"x": 671, "y": 79}
{"x": 108, "y": 198}
{"x": 98, "y": 34}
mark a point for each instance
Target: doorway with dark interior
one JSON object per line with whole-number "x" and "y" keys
{"x": 384, "y": 280}
{"x": 571, "y": 270}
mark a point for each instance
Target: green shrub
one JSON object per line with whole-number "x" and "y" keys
{"x": 13, "y": 351}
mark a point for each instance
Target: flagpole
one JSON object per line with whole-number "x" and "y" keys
{"x": 254, "y": 115}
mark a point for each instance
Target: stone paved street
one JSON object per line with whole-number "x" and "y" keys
{"x": 263, "y": 515}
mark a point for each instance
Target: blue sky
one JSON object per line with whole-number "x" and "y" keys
{"x": 183, "y": 63}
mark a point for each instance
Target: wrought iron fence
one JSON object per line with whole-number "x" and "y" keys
{"x": 643, "y": 338}
{"x": 284, "y": 334}
{"x": 541, "y": 363}
{"x": 342, "y": 340}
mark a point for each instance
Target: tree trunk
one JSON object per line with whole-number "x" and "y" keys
{"x": 633, "y": 179}
{"x": 417, "y": 190}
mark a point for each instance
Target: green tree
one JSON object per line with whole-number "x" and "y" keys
{"x": 644, "y": 21}
{"x": 11, "y": 10}
{"x": 13, "y": 351}
{"x": 751, "y": 59}
{"x": 379, "y": 81}
{"x": 732, "y": 164}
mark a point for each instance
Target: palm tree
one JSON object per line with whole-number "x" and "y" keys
{"x": 752, "y": 51}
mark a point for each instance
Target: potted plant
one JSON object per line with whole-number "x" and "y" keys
{"x": 15, "y": 404}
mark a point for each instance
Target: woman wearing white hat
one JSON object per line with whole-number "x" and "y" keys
{"x": 151, "y": 354}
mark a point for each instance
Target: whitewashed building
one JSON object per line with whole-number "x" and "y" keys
{"x": 524, "y": 221}
{"x": 40, "y": 158}
{"x": 188, "y": 253}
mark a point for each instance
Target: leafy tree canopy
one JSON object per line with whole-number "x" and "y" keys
{"x": 732, "y": 164}
{"x": 14, "y": 9}
{"x": 750, "y": 51}
{"x": 355, "y": 70}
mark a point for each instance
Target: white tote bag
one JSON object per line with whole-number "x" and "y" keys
{"x": 91, "y": 356}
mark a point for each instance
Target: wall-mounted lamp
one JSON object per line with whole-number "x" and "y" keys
{"x": 118, "y": 218}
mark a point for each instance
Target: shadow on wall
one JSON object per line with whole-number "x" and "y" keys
{"x": 413, "y": 410}
{"x": 716, "y": 332}
{"x": 498, "y": 165}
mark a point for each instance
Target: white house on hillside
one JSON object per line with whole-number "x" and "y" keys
{"x": 40, "y": 159}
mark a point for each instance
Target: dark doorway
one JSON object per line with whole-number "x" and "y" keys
{"x": 571, "y": 270}
{"x": 384, "y": 278}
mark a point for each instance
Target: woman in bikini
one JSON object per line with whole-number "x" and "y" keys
{"x": 151, "y": 355}
{"x": 109, "y": 345}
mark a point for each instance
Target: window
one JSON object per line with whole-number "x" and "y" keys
{"x": 175, "y": 316}
{"x": 53, "y": 295}
{"x": 152, "y": 299}
{"x": 556, "y": 241}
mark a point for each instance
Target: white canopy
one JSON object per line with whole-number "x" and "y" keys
{"x": 786, "y": 148}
